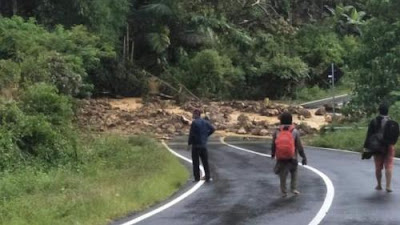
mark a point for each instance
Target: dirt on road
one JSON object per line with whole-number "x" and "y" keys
{"x": 165, "y": 119}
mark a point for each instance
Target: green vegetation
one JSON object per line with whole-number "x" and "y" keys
{"x": 113, "y": 177}
{"x": 353, "y": 138}
{"x": 315, "y": 93}
{"x": 265, "y": 48}
{"x": 52, "y": 52}
{"x": 349, "y": 139}
{"x": 377, "y": 74}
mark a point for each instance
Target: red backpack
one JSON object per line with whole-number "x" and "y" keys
{"x": 284, "y": 144}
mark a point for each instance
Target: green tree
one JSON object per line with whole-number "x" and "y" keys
{"x": 378, "y": 59}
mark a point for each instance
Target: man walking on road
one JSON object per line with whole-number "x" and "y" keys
{"x": 200, "y": 130}
{"x": 286, "y": 145}
{"x": 384, "y": 156}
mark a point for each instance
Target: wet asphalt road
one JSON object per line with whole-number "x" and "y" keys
{"x": 246, "y": 191}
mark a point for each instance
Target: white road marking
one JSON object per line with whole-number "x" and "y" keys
{"x": 172, "y": 202}
{"x": 321, "y": 100}
{"x": 340, "y": 150}
{"x": 330, "y": 189}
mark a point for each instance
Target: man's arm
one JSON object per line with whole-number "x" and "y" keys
{"x": 371, "y": 130}
{"x": 211, "y": 128}
{"x": 191, "y": 134}
{"x": 300, "y": 148}
{"x": 273, "y": 147}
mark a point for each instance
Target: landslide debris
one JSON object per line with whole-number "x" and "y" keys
{"x": 164, "y": 119}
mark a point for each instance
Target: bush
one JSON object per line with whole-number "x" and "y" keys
{"x": 43, "y": 99}
{"x": 9, "y": 73}
{"x": 119, "y": 78}
{"x": 319, "y": 47}
{"x": 62, "y": 57}
{"x": 209, "y": 74}
{"x": 309, "y": 94}
{"x": 37, "y": 130}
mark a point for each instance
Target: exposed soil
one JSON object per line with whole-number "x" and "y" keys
{"x": 164, "y": 119}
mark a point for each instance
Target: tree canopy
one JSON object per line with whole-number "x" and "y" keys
{"x": 267, "y": 48}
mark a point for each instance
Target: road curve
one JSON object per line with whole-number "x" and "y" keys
{"x": 244, "y": 191}
{"x": 321, "y": 102}
{"x": 356, "y": 202}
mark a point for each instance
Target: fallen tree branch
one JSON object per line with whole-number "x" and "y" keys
{"x": 181, "y": 86}
{"x": 256, "y": 3}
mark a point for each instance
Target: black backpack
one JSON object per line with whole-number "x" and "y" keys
{"x": 376, "y": 143}
{"x": 391, "y": 132}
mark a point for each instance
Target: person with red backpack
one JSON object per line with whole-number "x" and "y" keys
{"x": 381, "y": 137}
{"x": 286, "y": 145}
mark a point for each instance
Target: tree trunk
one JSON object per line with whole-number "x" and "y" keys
{"x": 14, "y": 7}
{"x": 127, "y": 41}
{"x": 133, "y": 50}
{"x": 124, "y": 49}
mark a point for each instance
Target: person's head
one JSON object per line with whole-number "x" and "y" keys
{"x": 196, "y": 113}
{"x": 286, "y": 118}
{"x": 383, "y": 109}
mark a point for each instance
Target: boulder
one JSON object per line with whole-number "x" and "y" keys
{"x": 170, "y": 129}
{"x": 241, "y": 131}
{"x": 264, "y": 132}
{"x": 305, "y": 113}
{"x": 255, "y": 131}
{"x": 231, "y": 130}
{"x": 328, "y": 118}
{"x": 243, "y": 118}
{"x": 269, "y": 112}
{"x": 321, "y": 111}
{"x": 127, "y": 116}
{"x": 305, "y": 129}
{"x": 185, "y": 120}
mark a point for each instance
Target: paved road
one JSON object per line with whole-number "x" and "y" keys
{"x": 315, "y": 104}
{"x": 245, "y": 191}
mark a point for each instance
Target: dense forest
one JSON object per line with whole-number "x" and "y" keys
{"x": 52, "y": 50}
{"x": 266, "y": 48}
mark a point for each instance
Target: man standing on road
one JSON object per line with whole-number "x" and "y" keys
{"x": 200, "y": 130}
{"x": 286, "y": 145}
{"x": 384, "y": 157}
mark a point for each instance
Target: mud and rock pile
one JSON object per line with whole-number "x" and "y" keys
{"x": 163, "y": 119}
{"x": 151, "y": 119}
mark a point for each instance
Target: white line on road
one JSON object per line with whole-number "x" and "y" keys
{"x": 172, "y": 202}
{"x": 330, "y": 189}
{"x": 321, "y": 100}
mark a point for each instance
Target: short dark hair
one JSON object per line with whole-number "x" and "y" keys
{"x": 286, "y": 118}
{"x": 383, "y": 109}
{"x": 197, "y": 112}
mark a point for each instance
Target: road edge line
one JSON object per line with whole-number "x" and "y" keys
{"x": 315, "y": 147}
{"x": 172, "y": 202}
{"x": 324, "y": 99}
{"x": 330, "y": 189}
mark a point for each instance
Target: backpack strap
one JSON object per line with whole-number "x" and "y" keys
{"x": 291, "y": 128}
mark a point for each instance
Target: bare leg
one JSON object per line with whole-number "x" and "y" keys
{"x": 388, "y": 174}
{"x": 378, "y": 174}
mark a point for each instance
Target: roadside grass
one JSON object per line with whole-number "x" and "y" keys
{"x": 352, "y": 140}
{"x": 307, "y": 94}
{"x": 116, "y": 176}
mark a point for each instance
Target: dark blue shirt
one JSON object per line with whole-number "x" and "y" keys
{"x": 199, "y": 132}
